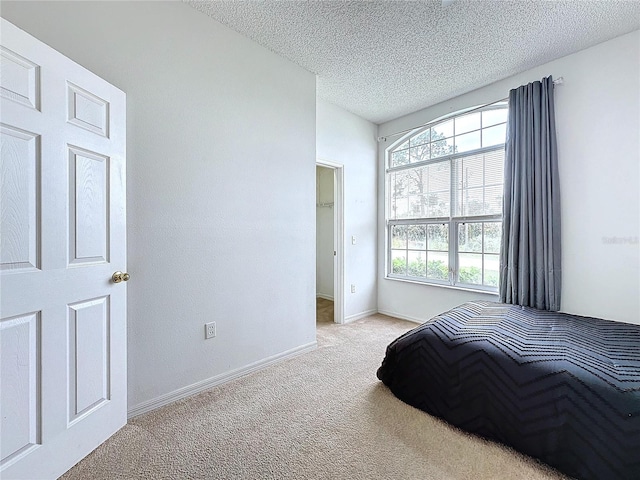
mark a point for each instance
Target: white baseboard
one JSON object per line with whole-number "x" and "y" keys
{"x": 358, "y": 316}
{"x": 402, "y": 317}
{"x": 326, "y": 297}
{"x": 203, "y": 385}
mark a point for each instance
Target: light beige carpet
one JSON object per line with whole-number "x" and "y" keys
{"x": 322, "y": 415}
{"x": 324, "y": 310}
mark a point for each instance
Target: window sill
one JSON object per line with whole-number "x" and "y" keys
{"x": 438, "y": 285}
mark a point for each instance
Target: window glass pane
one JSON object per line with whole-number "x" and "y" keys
{"x": 403, "y": 146}
{"x": 492, "y": 117}
{"x": 419, "y": 153}
{"x": 492, "y": 237}
{"x": 467, "y": 123}
{"x": 417, "y": 179}
{"x": 398, "y": 236}
{"x": 399, "y": 158}
{"x": 417, "y": 206}
{"x": 441, "y": 148}
{"x": 438, "y": 204}
{"x": 493, "y": 200}
{"x": 470, "y": 171}
{"x": 438, "y": 237}
{"x": 470, "y": 202}
{"x": 398, "y": 184}
{"x": 417, "y": 235}
{"x": 421, "y": 192}
{"x": 438, "y": 265}
{"x": 491, "y": 270}
{"x": 400, "y": 207}
{"x": 442, "y": 130}
{"x": 470, "y": 237}
{"x": 423, "y": 137}
{"x": 467, "y": 142}
{"x": 439, "y": 177}
{"x": 494, "y": 168}
{"x": 494, "y": 135}
{"x": 417, "y": 266}
{"x": 470, "y": 268}
{"x": 399, "y": 262}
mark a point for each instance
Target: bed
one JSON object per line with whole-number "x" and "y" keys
{"x": 561, "y": 388}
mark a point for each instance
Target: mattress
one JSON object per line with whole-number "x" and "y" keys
{"x": 562, "y": 388}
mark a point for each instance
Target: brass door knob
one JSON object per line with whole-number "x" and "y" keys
{"x": 118, "y": 277}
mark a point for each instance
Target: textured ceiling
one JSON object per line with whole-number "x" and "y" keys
{"x": 384, "y": 59}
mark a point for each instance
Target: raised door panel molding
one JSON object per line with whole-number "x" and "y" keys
{"x": 19, "y": 386}
{"x": 88, "y": 207}
{"x": 20, "y": 199}
{"x": 87, "y": 110}
{"x": 89, "y": 339}
{"x": 19, "y": 79}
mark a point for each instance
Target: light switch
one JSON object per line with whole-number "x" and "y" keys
{"x": 353, "y": 239}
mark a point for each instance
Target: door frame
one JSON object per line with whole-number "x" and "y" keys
{"x": 338, "y": 236}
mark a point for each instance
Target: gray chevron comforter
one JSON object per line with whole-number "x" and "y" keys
{"x": 562, "y": 388}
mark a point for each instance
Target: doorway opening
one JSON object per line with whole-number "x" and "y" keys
{"x": 329, "y": 244}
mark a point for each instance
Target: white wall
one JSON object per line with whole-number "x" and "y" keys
{"x": 597, "y": 114}
{"x": 324, "y": 232}
{"x": 349, "y": 140}
{"x": 220, "y": 177}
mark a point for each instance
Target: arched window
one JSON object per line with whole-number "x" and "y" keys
{"x": 444, "y": 200}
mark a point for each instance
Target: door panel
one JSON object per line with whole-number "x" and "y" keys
{"x": 19, "y": 197}
{"x": 88, "y": 356}
{"x": 20, "y": 79}
{"x": 62, "y": 321}
{"x": 88, "y": 206}
{"x": 20, "y": 354}
{"x": 87, "y": 110}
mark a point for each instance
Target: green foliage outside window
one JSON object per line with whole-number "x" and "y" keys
{"x": 436, "y": 269}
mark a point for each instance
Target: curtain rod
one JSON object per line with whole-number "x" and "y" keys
{"x": 559, "y": 81}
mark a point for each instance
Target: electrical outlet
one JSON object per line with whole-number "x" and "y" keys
{"x": 209, "y": 330}
{"x": 353, "y": 288}
{"x": 353, "y": 239}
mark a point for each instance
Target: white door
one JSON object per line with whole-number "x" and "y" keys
{"x": 62, "y": 235}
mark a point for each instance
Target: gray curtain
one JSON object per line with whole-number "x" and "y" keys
{"x": 530, "y": 269}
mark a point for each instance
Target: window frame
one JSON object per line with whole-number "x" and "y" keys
{"x": 452, "y": 221}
